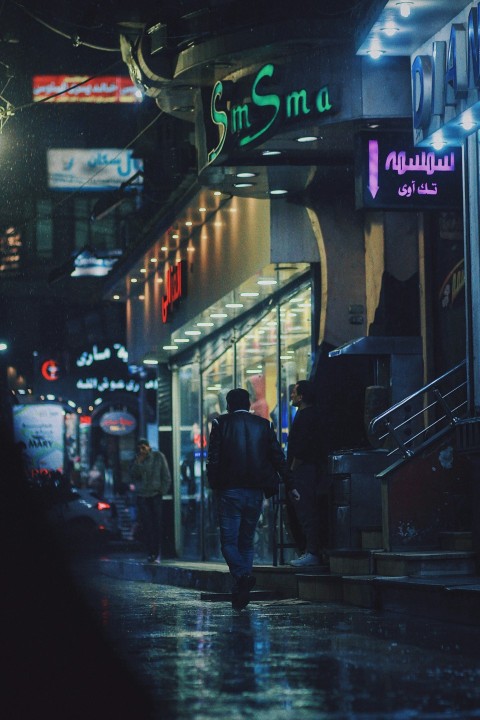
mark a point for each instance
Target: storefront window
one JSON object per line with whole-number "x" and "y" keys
{"x": 218, "y": 379}
{"x": 191, "y": 446}
{"x": 267, "y": 355}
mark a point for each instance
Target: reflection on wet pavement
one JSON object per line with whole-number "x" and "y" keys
{"x": 285, "y": 659}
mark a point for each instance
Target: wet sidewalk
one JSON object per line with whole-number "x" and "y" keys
{"x": 283, "y": 659}
{"x": 444, "y": 594}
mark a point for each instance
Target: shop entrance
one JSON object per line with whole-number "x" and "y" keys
{"x": 267, "y": 355}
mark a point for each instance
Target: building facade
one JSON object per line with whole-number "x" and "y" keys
{"x": 309, "y": 227}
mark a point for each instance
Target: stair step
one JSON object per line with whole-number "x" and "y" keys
{"x": 424, "y": 564}
{"x": 320, "y": 588}
{"x": 456, "y": 540}
{"x": 352, "y": 562}
{"x": 399, "y": 564}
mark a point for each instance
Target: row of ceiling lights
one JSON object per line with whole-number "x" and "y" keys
{"x": 195, "y": 332}
{"x": 389, "y": 28}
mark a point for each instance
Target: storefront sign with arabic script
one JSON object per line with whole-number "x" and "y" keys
{"x": 393, "y": 174}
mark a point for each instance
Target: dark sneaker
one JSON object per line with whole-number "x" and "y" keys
{"x": 241, "y": 592}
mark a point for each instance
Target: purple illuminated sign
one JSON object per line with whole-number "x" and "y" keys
{"x": 391, "y": 173}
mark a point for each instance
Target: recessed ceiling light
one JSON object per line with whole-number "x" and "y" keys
{"x": 175, "y": 236}
{"x": 242, "y": 185}
{"x": 142, "y": 270}
{"x": 218, "y": 315}
{"x": 390, "y": 28}
{"x": 267, "y": 281}
{"x": 134, "y": 280}
{"x": 193, "y": 332}
{"x": 205, "y": 324}
{"x": 170, "y": 347}
{"x": 405, "y": 8}
{"x": 249, "y": 294}
{"x": 266, "y": 153}
{"x": 116, "y": 297}
{"x": 164, "y": 248}
{"x": 307, "y": 138}
{"x": 375, "y": 52}
{"x": 188, "y": 223}
{"x": 181, "y": 340}
{"x": 245, "y": 174}
{"x": 217, "y": 192}
{"x": 202, "y": 209}
{"x": 279, "y": 191}
{"x": 233, "y": 305}
{"x": 154, "y": 260}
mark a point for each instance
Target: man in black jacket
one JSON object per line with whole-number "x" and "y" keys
{"x": 306, "y": 458}
{"x": 243, "y": 464}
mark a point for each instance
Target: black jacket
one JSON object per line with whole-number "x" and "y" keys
{"x": 243, "y": 451}
{"x": 306, "y": 439}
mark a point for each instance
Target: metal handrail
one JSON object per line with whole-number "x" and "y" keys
{"x": 425, "y": 414}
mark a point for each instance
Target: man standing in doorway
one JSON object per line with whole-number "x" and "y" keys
{"x": 306, "y": 455}
{"x": 150, "y": 478}
{"x": 243, "y": 465}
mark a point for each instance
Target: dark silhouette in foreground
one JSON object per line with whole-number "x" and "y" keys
{"x": 57, "y": 661}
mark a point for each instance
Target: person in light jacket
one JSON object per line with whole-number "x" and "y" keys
{"x": 244, "y": 464}
{"x": 150, "y": 480}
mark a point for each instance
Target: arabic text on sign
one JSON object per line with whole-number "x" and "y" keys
{"x": 422, "y": 162}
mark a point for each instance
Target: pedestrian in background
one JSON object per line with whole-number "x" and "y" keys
{"x": 150, "y": 480}
{"x": 306, "y": 458}
{"x": 244, "y": 464}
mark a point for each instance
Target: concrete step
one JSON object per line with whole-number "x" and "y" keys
{"x": 352, "y": 562}
{"x": 456, "y": 540}
{"x": 435, "y": 562}
{"x": 379, "y": 562}
{"x": 453, "y": 599}
{"x": 445, "y": 598}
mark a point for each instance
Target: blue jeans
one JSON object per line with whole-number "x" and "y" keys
{"x": 239, "y": 510}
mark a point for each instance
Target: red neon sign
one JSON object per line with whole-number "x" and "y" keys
{"x": 50, "y": 370}
{"x": 175, "y": 285}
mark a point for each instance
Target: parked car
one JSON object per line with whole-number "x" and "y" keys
{"x": 79, "y": 516}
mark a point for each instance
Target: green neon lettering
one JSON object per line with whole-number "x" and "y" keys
{"x": 263, "y": 101}
{"x": 292, "y": 103}
{"x": 219, "y": 118}
{"x": 239, "y": 115}
{"x": 323, "y": 100}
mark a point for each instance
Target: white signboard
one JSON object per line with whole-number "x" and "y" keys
{"x": 96, "y": 169}
{"x": 41, "y": 428}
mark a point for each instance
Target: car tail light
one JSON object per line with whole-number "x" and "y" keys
{"x": 101, "y": 505}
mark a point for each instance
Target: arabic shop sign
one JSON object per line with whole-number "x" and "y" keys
{"x": 249, "y": 114}
{"x": 445, "y": 84}
{"x": 95, "y": 169}
{"x": 105, "y": 370}
{"x": 81, "y": 88}
{"x": 118, "y": 423}
{"x": 175, "y": 286}
{"x": 392, "y": 174}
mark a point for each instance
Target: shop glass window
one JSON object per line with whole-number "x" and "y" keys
{"x": 295, "y": 350}
{"x": 218, "y": 379}
{"x": 190, "y": 467}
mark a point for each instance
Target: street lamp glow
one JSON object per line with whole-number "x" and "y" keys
{"x": 3, "y": 346}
